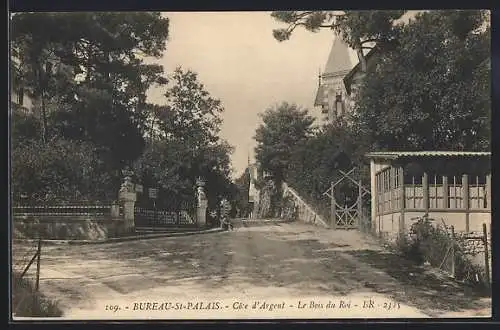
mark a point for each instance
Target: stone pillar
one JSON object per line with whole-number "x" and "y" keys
{"x": 202, "y": 204}
{"x": 115, "y": 210}
{"x": 127, "y": 197}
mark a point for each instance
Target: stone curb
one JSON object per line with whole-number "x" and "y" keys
{"x": 124, "y": 239}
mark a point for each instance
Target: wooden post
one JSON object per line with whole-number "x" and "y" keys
{"x": 452, "y": 252}
{"x": 488, "y": 192}
{"x": 486, "y": 255}
{"x": 38, "y": 253}
{"x": 465, "y": 200}
{"x": 445, "y": 192}
{"x": 360, "y": 206}
{"x": 425, "y": 192}
{"x": 401, "y": 200}
{"x": 373, "y": 197}
{"x": 332, "y": 206}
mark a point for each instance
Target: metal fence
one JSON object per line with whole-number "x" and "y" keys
{"x": 146, "y": 217}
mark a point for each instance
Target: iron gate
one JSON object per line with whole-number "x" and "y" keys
{"x": 172, "y": 213}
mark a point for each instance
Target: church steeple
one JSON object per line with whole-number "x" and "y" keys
{"x": 339, "y": 60}
{"x": 331, "y": 96}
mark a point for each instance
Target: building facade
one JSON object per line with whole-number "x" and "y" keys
{"x": 452, "y": 187}
{"x": 339, "y": 83}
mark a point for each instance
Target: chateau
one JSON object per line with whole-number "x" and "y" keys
{"x": 339, "y": 83}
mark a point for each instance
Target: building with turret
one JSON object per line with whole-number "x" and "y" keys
{"x": 339, "y": 82}
{"x": 331, "y": 96}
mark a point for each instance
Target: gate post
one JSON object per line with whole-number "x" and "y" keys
{"x": 127, "y": 196}
{"x": 360, "y": 221}
{"x": 201, "y": 207}
{"x": 333, "y": 212}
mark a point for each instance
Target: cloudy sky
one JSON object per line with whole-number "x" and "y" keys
{"x": 240, "y": 62}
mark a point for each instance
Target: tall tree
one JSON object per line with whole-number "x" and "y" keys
{"x": 433, "y": 90}
{"x": 284, "y": 126}
{"x": 77, "y": 54}
{"x": 87, "y": 75}
{"x": 184, "y": 141}
{"x": 359, "y": 29}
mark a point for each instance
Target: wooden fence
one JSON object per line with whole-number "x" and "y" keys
{"x": 469, "y": 244}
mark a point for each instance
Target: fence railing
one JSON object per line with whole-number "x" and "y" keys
{"x": 145, "y": 217}
{"x": 67, "y": 210}
{"x": 453, "y": 252}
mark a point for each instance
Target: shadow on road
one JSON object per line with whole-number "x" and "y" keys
{"x": 299, "y": 262}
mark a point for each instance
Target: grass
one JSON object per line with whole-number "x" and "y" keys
{"x": 26, "y": 302}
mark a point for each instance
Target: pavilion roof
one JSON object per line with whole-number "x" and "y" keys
{"x": 392, "y": 155}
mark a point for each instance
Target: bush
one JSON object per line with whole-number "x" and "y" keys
{"x": 26, "y": 302}
{"x": 430, "y": 242}
{"x": 60, "y": 169}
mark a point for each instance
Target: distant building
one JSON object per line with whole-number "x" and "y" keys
{"x": 21, "y": 102}
{"x": 331, "y": 96}
{"x": 339, "y": 83}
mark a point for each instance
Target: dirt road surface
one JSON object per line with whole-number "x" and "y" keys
{"x": 260, "y": 270}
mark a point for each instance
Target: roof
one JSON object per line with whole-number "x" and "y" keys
{"x": 348, "y": 78}
{"x": 425, "y": 154}
{"x": 339, "y": 59}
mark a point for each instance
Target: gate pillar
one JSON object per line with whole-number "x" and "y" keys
{"x": 201, "y": 207}
{"x": 127, "y": 196}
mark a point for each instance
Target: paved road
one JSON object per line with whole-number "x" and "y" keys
{"x": 285, "y": 270}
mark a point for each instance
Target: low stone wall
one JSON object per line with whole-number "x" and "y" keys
{"x": 302, "y": 210}
{"x": 72, "y": 227}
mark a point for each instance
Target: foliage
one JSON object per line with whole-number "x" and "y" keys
{"x": 242, "y": 190}
{"x": 184, "y": 143}
{"x": 283, "y": 127}
{"x": 23, "y": 128}
{"x": 59, "y": 171}
{"x": 428, "y": 241}
{"x": 190, "y": 113}
{"x": 439, "y": 96}
{"x": 358, "y": 29}
{"x": 91, "y": 67}
{"x": 29, "y": 303}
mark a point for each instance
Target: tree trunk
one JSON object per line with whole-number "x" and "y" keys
{"x": 41, "y": 94}
{"x": 44, "y": 118}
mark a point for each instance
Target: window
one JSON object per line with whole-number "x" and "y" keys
{"x": 455, "y": 192}
{"x": 436, "y": 192}
{"x": 339, "y": 107}
{"x": 478, "y": 192}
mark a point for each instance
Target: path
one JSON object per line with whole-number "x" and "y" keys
{"x": 285, "y": 264}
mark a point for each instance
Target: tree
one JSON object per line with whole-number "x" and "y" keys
{"x": 184, "y": 143}
{"x": 60, "y": 171}
{"x": 316, "y": 162}
{"x": 190, "y": 113}
{"x": 284, "y": 126}
{"x": 242, "y": 185}
{"x": 359, "y": 29}
{"x": 432, "y": 92}
{"x": 87, "y": 76}
{"x": 77, "y": 54}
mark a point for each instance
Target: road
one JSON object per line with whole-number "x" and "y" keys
{"x": 285, "y": 270}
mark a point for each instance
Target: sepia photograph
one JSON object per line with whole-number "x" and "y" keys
{"x": 232, "y": 165}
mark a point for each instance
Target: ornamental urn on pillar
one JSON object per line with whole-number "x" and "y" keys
{"x": 127, "y": 197}
{"x": 202, "y": 203}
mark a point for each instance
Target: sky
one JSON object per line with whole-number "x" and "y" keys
{"x": 239, "y": 62}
